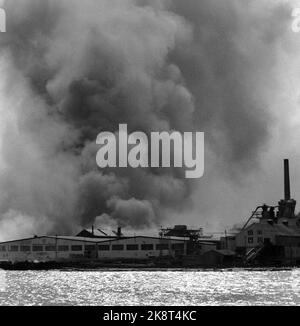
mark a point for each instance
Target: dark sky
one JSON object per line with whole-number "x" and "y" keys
{"x": 71, "y": 69}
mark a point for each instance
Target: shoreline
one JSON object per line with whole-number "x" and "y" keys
{"x": 135, "y": 267}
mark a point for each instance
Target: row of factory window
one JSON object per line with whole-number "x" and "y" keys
{"x": 259, "y": 240}
{"x": 251, "y": 232}
{"x": 117, "y": 247}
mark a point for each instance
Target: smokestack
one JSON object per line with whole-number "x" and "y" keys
{"x": 287, "y": 189}
{"x": 93, "y": 230}
{"x": 119, "y": 232}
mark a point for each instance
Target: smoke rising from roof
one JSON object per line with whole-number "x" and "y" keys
{"x": 70, "y": 70}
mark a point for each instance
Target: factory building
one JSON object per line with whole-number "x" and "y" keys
{"x": 270, "y": 236}
{"x": 66, "y": 248}
{"x": 258, "y": 234}
{"x": 283, "y": 239}
{"x": 272, "y": 232}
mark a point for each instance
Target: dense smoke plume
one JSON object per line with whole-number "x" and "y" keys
{"x": 71, "y": 69}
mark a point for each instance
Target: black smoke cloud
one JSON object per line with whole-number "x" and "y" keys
{"x": 71, "y": 69}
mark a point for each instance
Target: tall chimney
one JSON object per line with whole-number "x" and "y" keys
{"x": 287, "y": 189}
{"x": 119, "y": 232}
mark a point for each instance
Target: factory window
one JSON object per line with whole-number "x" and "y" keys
{"x": 132, "y": 247}
{"x": 63, "y": 248}
{"x": 250, "y": 232}
{"x": 260, "y": 240}
{"x": 178, "y": 246}
{"x": 2, "y": 248}
{"x": 90, "y": 248}
{"x": 117, "y": 247}
{"x": 250, "y": 240}
{"x": 14, "y": 248}
{"x": 162, "y": 246}
{"x": 147, "y": 246}
{"x": 103, "y": 248}
{"x": 37, "y": 248}
{"x": 76, "y": 248}
{"x": 25, "y": 248}
{"x": 259, "y": 232}
{"x": 50, "y": 248}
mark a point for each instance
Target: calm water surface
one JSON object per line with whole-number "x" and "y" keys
{"x": 110, "y": 287}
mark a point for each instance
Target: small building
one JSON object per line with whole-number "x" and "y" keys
{"x": 211, "y": 258}
{"x": 218, "y": 258}
{"x": 228, "y": 242}
{"x": 205, "y": 246}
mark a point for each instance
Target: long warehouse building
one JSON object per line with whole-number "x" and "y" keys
{"x": 68, "y": 248}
